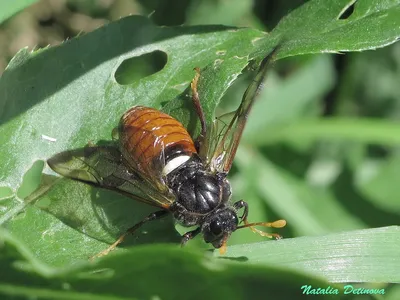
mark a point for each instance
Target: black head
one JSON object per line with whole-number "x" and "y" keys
{"x": 219, "y": 225}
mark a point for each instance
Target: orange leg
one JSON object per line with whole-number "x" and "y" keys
{"x": 197, "y": 104}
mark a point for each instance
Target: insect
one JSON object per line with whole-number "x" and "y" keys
{"x": 158, "y": 163}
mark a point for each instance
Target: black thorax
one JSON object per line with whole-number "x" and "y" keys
{"x": 195, "y": 189}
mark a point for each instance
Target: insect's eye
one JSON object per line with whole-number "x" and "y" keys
{"x": 216, "y": 227}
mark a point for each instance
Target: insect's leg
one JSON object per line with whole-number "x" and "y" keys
{"x": 240, "y": 204}
{"x": 153, "y": 216}
{"x": 197, "y": 105}
{"x": 189, "y": 235}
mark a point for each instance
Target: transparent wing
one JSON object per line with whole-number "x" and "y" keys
{"x": 104, "y": 166}
{"x": 214, "y": 137}
{"x": 224, "y": 139}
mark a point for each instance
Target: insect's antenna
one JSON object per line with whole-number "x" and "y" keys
{"x": 276, "y": 224}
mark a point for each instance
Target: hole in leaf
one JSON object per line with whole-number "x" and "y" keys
{"x": 5, "y": 192}
{"x": 347, "y": 11}
{"x": 139, "y": 67}
{"x": 31, "y": 180}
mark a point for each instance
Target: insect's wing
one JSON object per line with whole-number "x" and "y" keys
{"x": 224, "y": 141}
{"x": 103, "y": 166}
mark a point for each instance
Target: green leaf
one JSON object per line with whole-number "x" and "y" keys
{"x": 393, "y": 293}
{"x": 79, "y": 80}
{"x": 166, "y": 272}
{"x": 9, "y": 8}
{"x": 307, "y": 210}
{"x": 317, "y": 27}
{"x": 83, "y": 221}
{"x": 361, "y": 130}
{"x": 380, "y": 186}
{"x": 52, "y": 241}
{"x": 247, "y": 271}
{"x": 61, "y": 67}
{"x": 61, "y": 98}
{"x": 212, "y": 86}
{"x": 283, "y": 102}
{"x": 368, "y": 255}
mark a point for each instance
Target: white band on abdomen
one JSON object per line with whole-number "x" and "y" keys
{"x": 174, "y": 163}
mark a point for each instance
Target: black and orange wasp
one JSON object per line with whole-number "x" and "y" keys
{"x": 158, "y": 163}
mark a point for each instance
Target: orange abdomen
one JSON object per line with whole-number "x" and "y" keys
{"x": 149, "y": 138}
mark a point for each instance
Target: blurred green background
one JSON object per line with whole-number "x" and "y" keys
{"x": 309, "y": 154}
